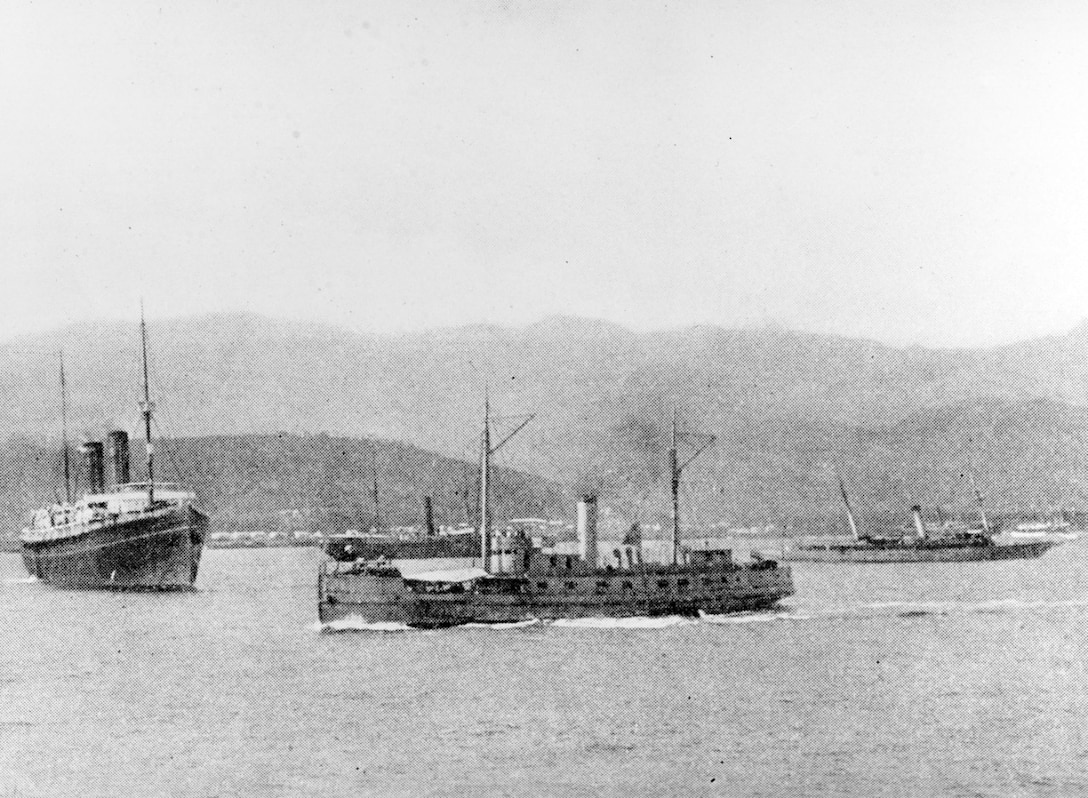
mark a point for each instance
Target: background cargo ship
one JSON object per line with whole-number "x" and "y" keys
{"x": 434, "y": 544}
{"x": 519, "y": 582}
{"x": 142, "y": 536}
{"x": 951, "y": 542}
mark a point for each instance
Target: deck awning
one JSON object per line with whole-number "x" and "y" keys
{"x": 454, "y": 575}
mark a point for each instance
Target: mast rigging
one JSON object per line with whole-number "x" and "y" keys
{"x": 849, "y": 510}
{"x": 374, "y": 475}
{"x": 676, "y": 469}
{"x": 146, "y": 408}
{"x": 64, "y": 432}
{"x": 486, "y": 452}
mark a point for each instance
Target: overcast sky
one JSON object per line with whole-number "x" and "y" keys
{"x": 912, "y": 172}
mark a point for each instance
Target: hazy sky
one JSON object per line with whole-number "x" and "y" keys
{"x": 913, "y": 172}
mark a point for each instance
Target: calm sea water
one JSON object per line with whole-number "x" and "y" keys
{"x": 959, "y": 680}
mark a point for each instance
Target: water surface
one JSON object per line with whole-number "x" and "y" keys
{"x": 951, "y": 679}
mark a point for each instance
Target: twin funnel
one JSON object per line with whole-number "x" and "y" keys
{"x": 95, "y": 465}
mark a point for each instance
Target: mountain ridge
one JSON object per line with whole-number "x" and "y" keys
{"x": 603, "y": 395}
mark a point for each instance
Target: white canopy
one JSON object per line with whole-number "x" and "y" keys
{"x": 453, "y": 575}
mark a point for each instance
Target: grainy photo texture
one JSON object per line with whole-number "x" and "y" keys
{"x": 543, "y": 399}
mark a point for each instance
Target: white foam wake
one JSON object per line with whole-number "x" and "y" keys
{"x": 510, "y": 625}
{"x": 751, "y": 617}
{"x": 356, "y": 623}
{"x": 925, "y": 606}
{"x": 639, "y": 622}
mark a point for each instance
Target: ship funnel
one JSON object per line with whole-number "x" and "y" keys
{"x": 119, "y": 456}
{"x": 587, "y": 529}
{"x": 510, "y": 552}
{"x": 92, "y": 456}
{"x": 428, "y": 512}
{"x": 919, "y": 526}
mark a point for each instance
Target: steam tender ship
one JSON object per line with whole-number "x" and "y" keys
{"x": 435, "y": 544}
{"x": 136, "y": 536}
{"x": 520, "y": 582}
{"x": 952, "y": 542}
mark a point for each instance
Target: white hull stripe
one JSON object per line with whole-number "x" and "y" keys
{"x": 124, "y": 541}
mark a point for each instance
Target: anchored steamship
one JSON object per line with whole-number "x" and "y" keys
{"x": 135, "y": 536}
{"x": 952, "y": 542}
{"x": 520, "y": 582}
{"x": 434, "y": 544}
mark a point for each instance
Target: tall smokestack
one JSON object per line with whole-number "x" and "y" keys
{"x": 119, "y": 456}
{"x": 919, "y": 527}
{"x": 428, "y": 512}
{"x": 92, "y": 455}
{"x": 587, "y": 529}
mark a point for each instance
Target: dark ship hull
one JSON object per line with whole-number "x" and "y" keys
{"x": 918, "y": 552}
{"x": 380, "y": 594}
{"x": 520, "y": 580}
{"x": 376, "y": 547}
{"x": 158, "y": 550}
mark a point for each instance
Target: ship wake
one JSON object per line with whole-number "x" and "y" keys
{"x": 633, "y": 622}
{"x": 355, "y": 623}
{"x": 511, "y": 625}
{"x": 751, "y": 617}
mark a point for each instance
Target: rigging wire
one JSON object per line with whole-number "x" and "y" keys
{"x": 162, "y": 421}
{"x": 168, "y": 449}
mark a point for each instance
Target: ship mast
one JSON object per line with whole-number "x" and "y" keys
{"x": 374, "y": 475}
{"x": 64, "y": 432}
{"x": 485, "y": 484}
{"x": 146, "y": 408}
{"x": 981, "y": 508}
{"x": 849, "y": 512}
{"x": 486, "y": 453}
{"x": 676, "y": 469}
